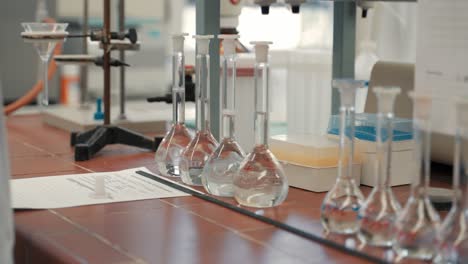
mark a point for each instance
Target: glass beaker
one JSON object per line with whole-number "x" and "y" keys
{"x": 44, "y": 37}
{"x": 219, "y": 170}
{"x": 261, "y": 181}
{"x": 453, "y": 232}
{"x": 378, "y": 214}
{"x": 416, "y": 226}
{"x": 169, "y": 152}
{"x": 339, "y": 210}
{"x": 203, "y": 144}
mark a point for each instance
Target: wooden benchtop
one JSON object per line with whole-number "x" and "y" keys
{"x": 173, "y": 230}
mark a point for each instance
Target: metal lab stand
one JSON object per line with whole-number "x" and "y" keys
{"x": 208, "y": 23}
{"x": 92, "y": 141}
{"x": 344, "y": 42}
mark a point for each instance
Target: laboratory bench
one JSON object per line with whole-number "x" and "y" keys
{"x": 171, "y": 230}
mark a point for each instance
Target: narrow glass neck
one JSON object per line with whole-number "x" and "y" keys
{"x": 384, "y": 148}
{"x": 422, "y": 152}
{"x": 202, "y": 91}
{"x": 228, "y": 95}
{"x": 345, "y": 166}
{"x": 178, "y": 88}
{"x": 261, "y": 72}
{"x": 460, "y": 172}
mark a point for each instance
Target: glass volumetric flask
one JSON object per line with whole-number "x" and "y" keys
{"x": 453, "y": 233}
{"x": 203, "y": 144}
{"x": 260, "y": 181}
{"x": 416, "y": 226}
{"x": 169, "y": 153}
{"x": 219, "y": 170}
{"x": 339, "y": 211}
{"x": 378, "y": 214}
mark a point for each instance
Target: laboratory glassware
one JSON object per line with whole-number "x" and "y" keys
{"x": 219, "y": 170}
{"x": 169, "y": 153}
{"x": 44, "y": 37}
{"x": 7, "y": 233}
{"x": 453, "y": 232}
{"x": 203, "y": 144}
{"x": 260, "y": 181}
{"x": 416, "y": 226}
{"x": 378, "y": 214}
{"x": 341, "y": 204}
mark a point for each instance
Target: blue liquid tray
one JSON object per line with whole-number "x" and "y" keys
{"x": 365, "y": 127}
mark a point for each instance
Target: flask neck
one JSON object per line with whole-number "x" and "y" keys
{"x": 421, "y": 155}
{"x": 345, "y": 162}
{"x": 202, "y": 91}
{"x": 178, "y": 88}
{"x": 384, "y": 149}
{"x": 228, "y": 95}
{"x": 261, "y": 77}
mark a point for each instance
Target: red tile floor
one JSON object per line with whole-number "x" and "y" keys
{"x": 175, "y": 230}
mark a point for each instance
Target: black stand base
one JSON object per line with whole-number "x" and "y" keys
{"x": 90, "y": 142}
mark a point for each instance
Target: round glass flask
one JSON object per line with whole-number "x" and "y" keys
{"x": 203, "y": 144}
{"x": 169, "y": 153}
{"x": 223, "y": 164}
{"x": 341, "y": 204}
{"x": 378, "y": 214}
{"x": 260, "y": 181}
{"x": 453, "y": 232}
{"x": 416, "y": 226}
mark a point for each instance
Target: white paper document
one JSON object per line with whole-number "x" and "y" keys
{"x": 77, "y": 189}
{"x": 442, "y": 57}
